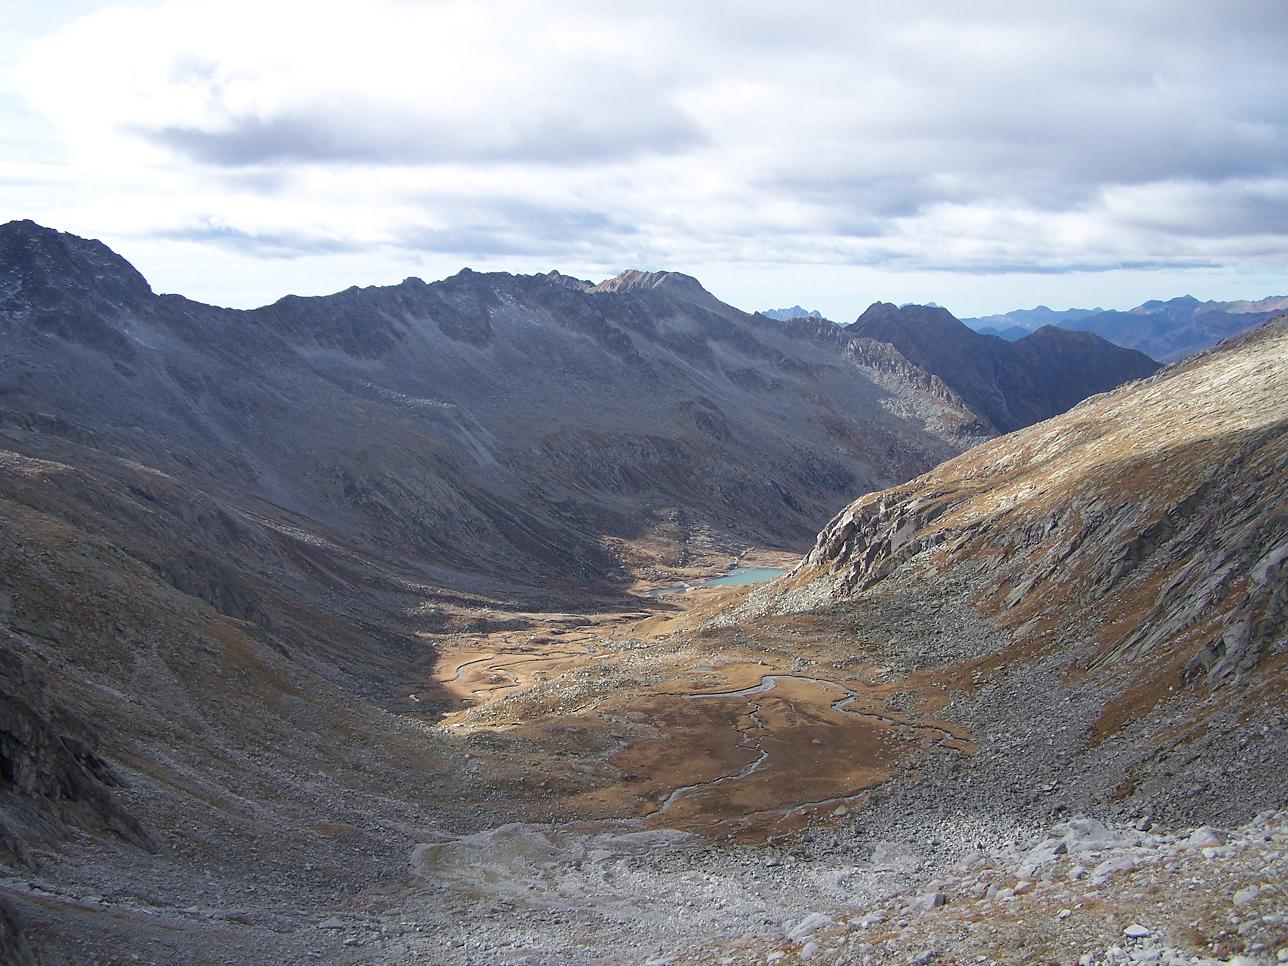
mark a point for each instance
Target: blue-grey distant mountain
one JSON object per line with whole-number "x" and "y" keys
{"x": 1013, "y": 384}
{"x": 1165, "y": 330}
{"x": 1010, "y": 333}
{"x": 1181, "y": 326}
{"x": 795, "y": 312}
{"x": 1020, "y": 322}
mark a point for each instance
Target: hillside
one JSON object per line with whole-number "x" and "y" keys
{"x": 1131, "y": 553}
{"x": 1097, "y": 604}
{"x": 1012, "y": 384}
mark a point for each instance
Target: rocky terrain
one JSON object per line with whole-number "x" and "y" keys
{"x": 347, "y": 629}
{"x": 1012, "y": 384}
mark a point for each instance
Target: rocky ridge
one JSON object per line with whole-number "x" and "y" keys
{"x": 1012, "y": 384}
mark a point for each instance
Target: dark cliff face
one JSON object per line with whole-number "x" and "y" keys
{"x": 1012, "y": 384}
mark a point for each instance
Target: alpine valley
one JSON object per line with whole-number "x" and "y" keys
{"x": 387, "y": 627}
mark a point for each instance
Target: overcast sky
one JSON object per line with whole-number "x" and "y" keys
{"x": 984, "y": 156}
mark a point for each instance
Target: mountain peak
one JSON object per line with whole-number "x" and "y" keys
{"x": 47, "y": 256}
{"x": 795, "y": 312}
{"x": 556, "y": 277}
{"x": 70, "y": 287}
{"x": 635, "y": 280}
{"x": 887, "y": 313}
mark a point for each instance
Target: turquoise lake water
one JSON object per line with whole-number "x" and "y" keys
{"x": 736, "y": 577}
{"x": 745, "y": 575}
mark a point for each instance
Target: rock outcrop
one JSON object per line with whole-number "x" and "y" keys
{"x": 52, "y": 776}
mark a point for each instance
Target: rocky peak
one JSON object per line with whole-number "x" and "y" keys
{"x": 1012, "y": 384}
{"x": 555, "y": 277}
{"x": 633, "y": 280}
{"x": 922, "y": 316}
{"x": 795, "y": 312}
{"x": 39, "y": 260}
{"x": 73, "y": 288}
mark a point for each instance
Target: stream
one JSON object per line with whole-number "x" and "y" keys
{"x": 766, "y": 684}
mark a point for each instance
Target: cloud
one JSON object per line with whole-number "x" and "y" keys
{"x": 266, "y": 244}
{"x": 244, "y": 83}
{"x": 517, "y": 228}
{"x": 982, "y": 139}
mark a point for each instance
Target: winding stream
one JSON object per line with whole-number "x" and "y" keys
{"x": 767, "y": 683}
{"x": 841, "y": 705}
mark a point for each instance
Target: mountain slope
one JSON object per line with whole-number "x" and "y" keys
{"x": 1131, "y": 557}
{"x": 487, "y": 423}
{"x": 1012, "y": 384}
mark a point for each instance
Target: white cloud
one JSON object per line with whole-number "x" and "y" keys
{"x": 989, "y": 140}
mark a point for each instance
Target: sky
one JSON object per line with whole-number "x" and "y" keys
{"x": 985, "y": 156}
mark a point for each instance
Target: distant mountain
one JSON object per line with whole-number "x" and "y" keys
{"x": 1013, "y": 325}
{"x": 1010, "y": 333}
{"x": 795, "y": 312}
{"x": 1165, "y": 330}
{"x": 1181, "y": 326}
{"x": 1012, "y": 384}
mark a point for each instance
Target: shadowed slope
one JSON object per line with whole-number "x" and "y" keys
{"x": 1012, "y": 384}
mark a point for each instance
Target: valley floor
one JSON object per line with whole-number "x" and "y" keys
{"x": 878, "y": 782}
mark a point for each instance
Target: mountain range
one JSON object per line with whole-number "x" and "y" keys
{"x": 795, "y": 312}
{"x": 1165, "y": 330}
{"x": 335, "y": 622}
